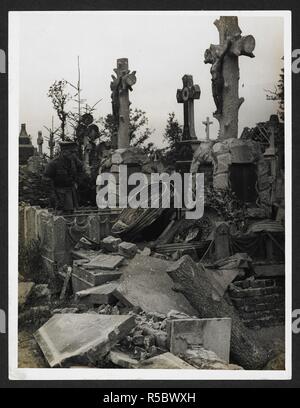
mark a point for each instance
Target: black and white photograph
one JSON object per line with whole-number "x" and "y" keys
{"x": 150, "y": 195}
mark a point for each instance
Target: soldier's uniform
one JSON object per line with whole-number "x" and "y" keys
{"x": 64, "y": 172}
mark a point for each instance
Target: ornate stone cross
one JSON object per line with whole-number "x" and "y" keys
{"x": 225, "y": 73}
{"x": 207, "y": 124}
{"x": 186, "y": 95}
{"x": 120, "y": 87}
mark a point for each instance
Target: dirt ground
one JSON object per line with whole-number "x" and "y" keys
{"x": 30, "y": 355}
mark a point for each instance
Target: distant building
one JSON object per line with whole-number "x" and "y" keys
{"x": 26, "y": 149}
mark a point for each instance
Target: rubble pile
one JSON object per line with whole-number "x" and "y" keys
{"x": 119, "y": 306}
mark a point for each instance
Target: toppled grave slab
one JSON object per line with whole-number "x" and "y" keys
{"x": 25, "y": 289}
{"x": 68, "y": 339}
{"x": 145, "y": 284}
{"x": 165, "y": 361}
{"x": 211, "y": 334}
{"x": 95, "y": 276}
{"x": 85, "y": 277}
{"x": 105, "y": 262}
{"x": 98, "y": 295}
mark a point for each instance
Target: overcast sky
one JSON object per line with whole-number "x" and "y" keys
{"x": 160, "y": 46}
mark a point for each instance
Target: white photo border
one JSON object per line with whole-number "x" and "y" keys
{"x": 16, "y": 373}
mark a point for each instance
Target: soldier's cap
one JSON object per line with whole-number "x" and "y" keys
{"x": 67, "y": 145}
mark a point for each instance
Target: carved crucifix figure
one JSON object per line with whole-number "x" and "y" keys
{"x": 186, "y": 95}
{"x": 225, "y": 73}
{"x": 120, "y": 87}
{"x": 207, "y": 124}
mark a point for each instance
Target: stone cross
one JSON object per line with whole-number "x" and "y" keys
{"x": 207, "y": 124}
{"x": 120, "y": 86}
{"x": 186, "y": 95}
{"x": 40, "y": 142}
{"x": 225, "y": 73}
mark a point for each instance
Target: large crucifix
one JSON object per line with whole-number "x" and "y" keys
{"x": 186, "y": 95}
{"x": 120, "y": 86}
{"x": 225, "y": 73}
{"x": 207, "y": 124}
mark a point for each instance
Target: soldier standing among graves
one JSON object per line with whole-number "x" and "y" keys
{"x": 64, "y": 172}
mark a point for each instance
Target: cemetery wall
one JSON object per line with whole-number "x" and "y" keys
{"x": 57, "y": 235}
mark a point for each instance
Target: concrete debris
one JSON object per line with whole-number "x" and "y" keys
{"x": 127, "y": 249}
{"x": 123, "y": 360}
{"x": 68, "y": 339}
{"x": 111, "y": 244}
{"x": 207, "y": 360}
{"x": 165, "y": 361}
{"x": 146, "y": 251}
{"x": 175, "y": 314}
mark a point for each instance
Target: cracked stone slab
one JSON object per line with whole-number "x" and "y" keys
{"x": 98, "y": 295}
{"x": 70, "y": 339}
{"x": 105, "y": 262}
{"x": 146, "y": 284}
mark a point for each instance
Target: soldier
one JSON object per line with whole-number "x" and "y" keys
{"x": 64, "y": 172}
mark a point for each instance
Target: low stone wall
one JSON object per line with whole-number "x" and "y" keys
{"x": 260, "y": 302}
{"x": 57, "y": 234}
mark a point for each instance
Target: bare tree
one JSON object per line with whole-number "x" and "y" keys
{"x": 59, "y": 96}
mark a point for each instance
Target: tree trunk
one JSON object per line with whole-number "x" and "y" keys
{"x": 191, "y": 279}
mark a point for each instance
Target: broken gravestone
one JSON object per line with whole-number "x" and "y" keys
{"x": 145, "y": 284}
{"x": 100, "y": 270}
{"x": 68, "y": 339}
{"x": 106, "y": 262}
{"x": 211, "y": 334}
